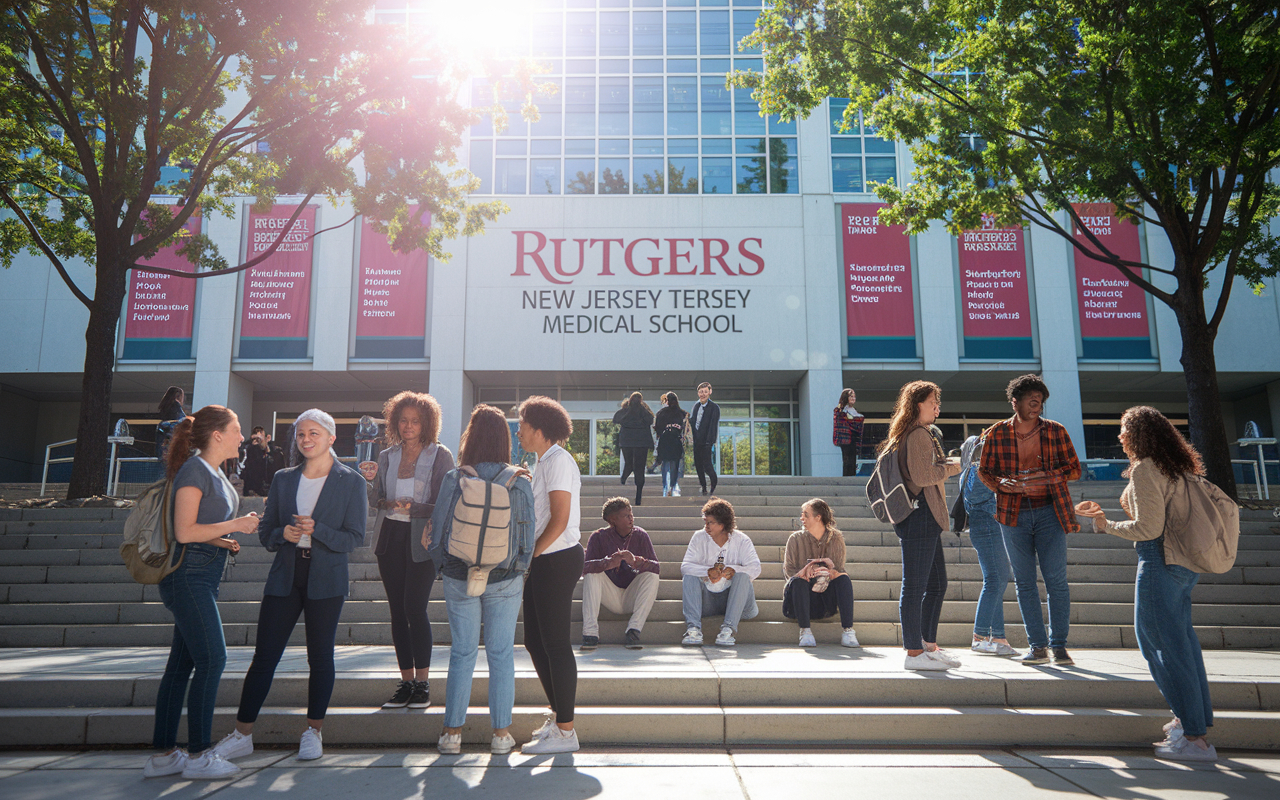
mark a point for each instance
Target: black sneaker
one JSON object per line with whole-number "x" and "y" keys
{"x": 401, "y": 698}
{"x": 1035, "y": 656}
{"x": 704, "y": 492}
{"x": 421, "y": 697}
{"x": 589, "y": 643}
{"x": 633, "y": 640}
{"x": 1061, "y": 658}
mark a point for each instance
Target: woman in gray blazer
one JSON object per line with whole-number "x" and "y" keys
{"x": 315, "y": 516}
{"x": 403, "y": 486}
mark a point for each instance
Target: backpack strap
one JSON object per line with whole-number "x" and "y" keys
{"x": 507, "y": 477}
{"x": 469, "y": 471}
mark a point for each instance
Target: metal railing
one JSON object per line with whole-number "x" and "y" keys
{"x": 48, "y": 459}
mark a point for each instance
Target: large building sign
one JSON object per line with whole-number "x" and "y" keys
{"x": 275, "y": 307}
{"x": 391, "y": 299}
{"x": 1113, "y": 310}
{"x": 879, "y": 299}
{"x": 160, "y": 309}
{"x": 995, "y": 296}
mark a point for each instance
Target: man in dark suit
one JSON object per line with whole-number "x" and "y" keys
{"x": 704, "y": 418}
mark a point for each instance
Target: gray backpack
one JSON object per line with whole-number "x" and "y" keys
{"x": 480, "y": 533}
{"x": 148, "y": 546}
{"x": 887, "y": 492}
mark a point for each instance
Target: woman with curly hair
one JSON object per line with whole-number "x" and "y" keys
{"x": 1160, "y": 460}
{"x": 403, "y": 485}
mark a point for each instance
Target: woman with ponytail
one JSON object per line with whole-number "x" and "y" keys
{"x": 204, "y": 518}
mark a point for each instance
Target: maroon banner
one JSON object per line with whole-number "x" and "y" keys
{"x": 276, "y": 304}
{"x": 1111, "y": 305}
{"x": 391, "y": 316}
{"x": 995, "y": 293}
{"x": 879, "y": 298}
{"x": 160, "y": 309}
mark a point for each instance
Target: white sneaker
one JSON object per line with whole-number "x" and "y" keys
{"x": 1002, "y": 649}
{"x": 160, "y": 765}
{"x": 666, "y": 492}
{"x": 943, "y": 656}
{"x": 1186, "y": 750}
{"x": 725, "y": 638}
{"x": 548, "y": 723}
{"x": 675, "y": 492}
{"x": 849, "y": 639}
{"x": 1172, "y": 732}
{"x": 208, "y": 766}
{"x": 806, "y": 638}
{"x": 234, "y": 745}
{"x": 692, "y": 637}
{"x": 555, "y": 741}
{"x": 984, "y": 646}
{"x": 501, "y": 745}
{"x": 450, "y": 744}
{"x": 310, "y": 748}
{"x": 922, "y": 663}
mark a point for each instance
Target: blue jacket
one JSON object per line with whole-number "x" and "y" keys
{"x": 341, "y": 514}
{"x": 522, "y": 521}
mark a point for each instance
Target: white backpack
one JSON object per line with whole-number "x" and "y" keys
{"x": 481, "y": 533}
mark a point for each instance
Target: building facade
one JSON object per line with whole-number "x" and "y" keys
{"x": 661, "y": 233}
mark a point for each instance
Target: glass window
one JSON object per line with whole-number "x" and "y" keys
{"x": 772, "y": 447}
{"x": 544, "y": 175}
{"x": 882, "y": 170}
{"x": 717, "y": 176}
{"x": 682, "y": 33}
{"x": 716, "y": 118}
{"x": 608, "y": 455}
{"x": 682, "y": 106}
{"x": 646, "y": 29}
{"x": 682, "y": 65}
{"x": 509, "y": 176}
{"x": 735, "y": 448}
{"x": 647, "y": 106}
{"x": 482, "y": 164}
{"x": 545, "y": 147}
{"x": 615, "y": 34}
{"x": 682, "y": 146}
{"x": 614, "y": 66}
{"x": 646, "y": 66}
{"x": 746, "y": 113}
{"x": 649, "y": 176}
{"x": 682, "y": 176}
{"x": 550, "y": 110}
{"x": 717, "y": 146}
{"x": 580, "y": 147}
{"x": 751, "y": 175}
{"x": 613, "y": 176}
{"x": 714, "y": 37}
{"x": 717, "y": 65}
{"x": 548, "y": 34}
{"x": 580, "y": 106}
{"x": 846, "y": 174}
{"x": 837, "y": 117}
{"x": 513, "y": 148}
{"x": 482, "y": 97}
{"x": 744, "y": 24}
{"x": 875, "y": 144}
{"x": 846, "y": 144}
{"x": 784, "y": 167}
{"x": 579, "y": 176}
{"x": 647, "y": 147}
{"x": 749, "y": 146}
{"x": 777, "y": 126}
{"x": 512, "y": 102}
{"x": 580, "y": 66}
{"x": 615, "y": 147}
{"x": 581, "y": 34}
{"x": 615, "y": 106}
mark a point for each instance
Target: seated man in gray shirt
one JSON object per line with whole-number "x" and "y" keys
{"x": 621, "y": 571}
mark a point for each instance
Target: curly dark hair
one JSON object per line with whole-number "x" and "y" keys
{"x": 1152, "y": 437}
{"x": 428, "y": 413}
{"x": 1024, "y": 385}
{"x": 613, "y": 505}
{"x": 721, "y": 511}
{"x": 547, "y": 417}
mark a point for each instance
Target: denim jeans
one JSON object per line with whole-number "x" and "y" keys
{"x": 191, "y": 594}
{"x": 670, "y": 476}
{"x": 736, "y": 603}
{"x": 1166, "y": 639}
{"x": 988, "y": 543}
{"x": 1039, "y": 536}
{"x": 498, "y": 607}
{"x": 924, "y": 578}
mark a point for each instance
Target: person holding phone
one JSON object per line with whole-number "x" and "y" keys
{"x": 718, "y": 574}
{"x": 817, "y": 585}
{"x": 403, "y": 485}
{"x": 315, "y": 517}
{"x": 204, "y": 519}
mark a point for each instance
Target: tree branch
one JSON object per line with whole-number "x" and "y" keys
{"x": 44, "y": 247}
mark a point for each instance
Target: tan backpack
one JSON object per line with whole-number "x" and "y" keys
{"x": 481, "y": 530}
{"x": 1208, "y": 536}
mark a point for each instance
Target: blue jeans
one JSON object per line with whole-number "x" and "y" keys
{"x": 988, "y": 543}
{"x": 191, "y": 594}
{"x": 1039, "y": 536}
{"x": 499, "y": 607}
{"x": 924, "y": 577}
{"x": 670, "y": 476}
{"x": 1162, "y": 618}
{"x": 736, "y": 603}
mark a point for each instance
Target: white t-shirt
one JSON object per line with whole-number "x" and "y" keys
{"x": 308, "y": 494}
{"x": 556, "y": 471}
{"x": 404, "y": 488}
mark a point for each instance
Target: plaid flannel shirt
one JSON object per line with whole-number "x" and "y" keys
{"x": 1000, "y": 460}
{"x": 845, "y": 430}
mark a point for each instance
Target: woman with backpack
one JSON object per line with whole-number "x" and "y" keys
{"x": 204, "y": 518}
{"x": 315, "y": 516}
{"x": 1161, "y": 462}
{"x": 634, "y": 419}
{"x": 403, "y": 486}
{"x": 924, "y": 570}
{"x": 484, "y": 455}
{"x": 671, "y": 425}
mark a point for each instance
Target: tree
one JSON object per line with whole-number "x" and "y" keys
{"x": 1166, "y": 109}
{"x": 249, "y": 98}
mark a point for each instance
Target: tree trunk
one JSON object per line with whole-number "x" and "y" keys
{"x": 89, "y": 470}
{"x": 1204, "y": 405}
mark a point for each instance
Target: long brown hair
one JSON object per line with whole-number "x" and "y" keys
{"x": 1153, "y": 438}
{"x": 906, "y": 411}
{"x": 844, "y": 399}
{"x": 486, "y": 439}
{"x": 428, "y": 413}
{"x": 193, "y": 433}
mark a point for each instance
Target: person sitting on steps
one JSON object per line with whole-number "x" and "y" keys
{"x": 718, "y": 570}
{"x": 621, "y": 571}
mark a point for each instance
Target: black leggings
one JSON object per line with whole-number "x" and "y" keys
{"x": 849, "y": 455}
{"x": 408, "y": 584}
{"x": 277, "y": 617}
{"x": 809, "y": 605}
{"x": 548, "y": 599}
{"x": 924, "y": 577}
{"x": 635, "y": 459}
{"x": 704, "y": 461}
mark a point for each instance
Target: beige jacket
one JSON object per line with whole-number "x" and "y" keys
{"x": 928, "y": 469}
{"x": 802, "y": 547}
{"x": 1150, "y": 497}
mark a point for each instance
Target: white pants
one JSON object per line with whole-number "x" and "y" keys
{"x": 637, "y": 599}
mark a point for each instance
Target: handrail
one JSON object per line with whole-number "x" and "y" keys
{"x": 1257, "y": 477}
{"x": 48, "y": 451}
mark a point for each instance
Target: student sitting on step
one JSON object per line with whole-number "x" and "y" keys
{"x": 817, "y": 584}
{"x": 719, "y": 569}
{"x": 621, "y": 571}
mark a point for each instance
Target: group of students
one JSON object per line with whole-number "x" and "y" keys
{"x": 667, "y": 433}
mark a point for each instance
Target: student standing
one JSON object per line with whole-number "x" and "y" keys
{"x": 1160, "y": 461}
{"x": 403, "y": 485}
{"x": 988, "y": 543}
{"x": 704, "y": 419}
{"x": 671, "y": 425}
{"x": 486, "y": 448}
{"x": 1027, "y": 461}
{"x": 635, "y": 438}
{"x": 846, "y": 431}
{"x": 261, "y": 459}
{"x": 171, "y": 413}
{"x": 315, "y": 516}
{"x": 621, "y": 570}
{"x": 817, "y": 584}
{"x": 204, "y": 518}
{"x": 556, "y": 568}
{"x": 924, "y": 568}
{"x": 718, "y": 571}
